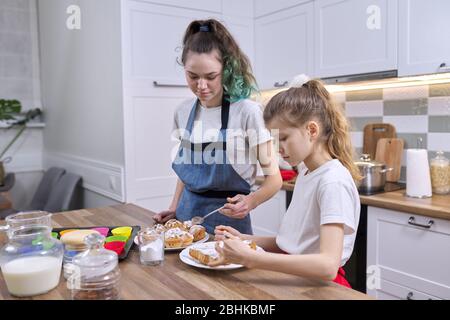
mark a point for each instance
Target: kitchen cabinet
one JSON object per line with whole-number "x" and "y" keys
{"x": 154, "y": 85}
{"x": 423, "y": 37}
{"x": 152, "y": 40}
{"x": 266, "y": 218}
{"x": 265, "y": 7}
{"x": 205, "y": 5}
{"x": 354, "y": 36}
{"x": 284, "y": 46}
{"x": 407, "y": 255}
{"x": 242, "y": 29}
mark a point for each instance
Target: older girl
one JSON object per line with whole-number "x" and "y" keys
{"x": 222, "y": 134}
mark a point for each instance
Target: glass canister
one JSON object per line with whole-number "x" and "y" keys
{"x": 151, "y": 246}
{"x": 95, "y": 274}
{"x": 31, "y": 260}
{"x": 440, "y": 173}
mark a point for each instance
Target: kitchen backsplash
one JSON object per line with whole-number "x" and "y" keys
{"x": 416, "y": 112}
{"x": 19, "y": 75}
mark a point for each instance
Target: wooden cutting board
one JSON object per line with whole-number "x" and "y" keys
{"x": 390, "y": 152}
{"x": 374, "y": 132}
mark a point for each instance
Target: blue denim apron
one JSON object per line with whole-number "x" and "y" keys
{"x": 208, "y": 177}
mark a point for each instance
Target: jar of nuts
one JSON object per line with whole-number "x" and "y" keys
{"x": 440, "y": 173}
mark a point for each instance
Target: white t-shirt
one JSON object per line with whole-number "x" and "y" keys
{"x": 323, "y": 196}
{"x": 246, "y": 130}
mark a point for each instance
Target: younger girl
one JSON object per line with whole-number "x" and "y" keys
{"x": 319, "y": 228}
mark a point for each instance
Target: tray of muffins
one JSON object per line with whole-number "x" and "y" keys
{"x": 179, "y": 235}
{"x": 117, "y": 238}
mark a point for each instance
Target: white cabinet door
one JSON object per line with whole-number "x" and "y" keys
{"x": 241, "y": 29}
{"x": 206, "y": 5}
{"x": 424, "y": 30}
{"x": 152, "y": 41}
{"x": 355, "y": 36}
{"x": 265, "y": 7}
{"x": 284, "y": 46}
{"x": 409, "y": 250}
{"x": 266, "y": 218}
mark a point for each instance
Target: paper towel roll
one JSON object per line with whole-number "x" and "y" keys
{"x": 418, "y": 181}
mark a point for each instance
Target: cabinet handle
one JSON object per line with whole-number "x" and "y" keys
{"x": 169, "y": 85}
{"x": 280, "y": 85}
{"x": 410, "y": 296}
{"x": 412, "y": 221}
{"x": 444, "y": 67}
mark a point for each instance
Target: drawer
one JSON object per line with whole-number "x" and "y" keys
{"x": 408, "y": 252}
{"x": 392, "y": 291}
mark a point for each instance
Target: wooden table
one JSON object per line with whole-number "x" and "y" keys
{"x": 175, "y": 280}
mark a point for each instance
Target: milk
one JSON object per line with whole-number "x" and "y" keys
{"x": 32, "y": 275}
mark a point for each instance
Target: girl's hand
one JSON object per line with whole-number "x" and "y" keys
{"x": 238, "y": 207}
{"x": 225, "y": 232}
{"x": 233, "y": 250}
{"x": 164, "y": 216}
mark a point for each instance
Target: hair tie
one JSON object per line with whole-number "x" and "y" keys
{"x": 299, "y": 81}
{"x": 204, "y": 28}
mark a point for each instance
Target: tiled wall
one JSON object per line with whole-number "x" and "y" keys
{"x": 19, "y": 78}
{"x": 420, "y": 111}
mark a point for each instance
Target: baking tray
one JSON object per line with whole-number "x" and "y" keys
{"x": 128, "y": 245}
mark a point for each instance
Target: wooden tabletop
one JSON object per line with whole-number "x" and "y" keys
{"x": 175, "y": 280}
{"x": 438, "y": 206}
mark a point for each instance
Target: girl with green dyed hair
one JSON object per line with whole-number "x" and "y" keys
{"x": 221, "y": 134}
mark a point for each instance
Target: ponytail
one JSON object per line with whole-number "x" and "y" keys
{"x": 204, "y": 36}
{"x": 296, "y": 106}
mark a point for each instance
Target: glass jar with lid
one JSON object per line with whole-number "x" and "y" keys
{"x": 31, "y": 260}
{"x": 440, "y": 173}
{"x": 95, "y": 274}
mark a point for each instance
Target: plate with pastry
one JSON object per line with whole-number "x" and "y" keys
{"x": 179, "y": 235}
{"x": 199, "y": 255}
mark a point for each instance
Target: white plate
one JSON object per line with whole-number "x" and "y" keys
{"x": 180, "y": 248}
{"x": 186, "y": 258}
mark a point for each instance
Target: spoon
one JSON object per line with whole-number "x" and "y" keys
{"x": 200, "y": 220}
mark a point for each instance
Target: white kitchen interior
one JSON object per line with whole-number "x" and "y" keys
{"x": 108, "y": 88}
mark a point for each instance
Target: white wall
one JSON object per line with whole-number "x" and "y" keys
{"x": 81, "y": 86}
{"x": 19, "y": 79}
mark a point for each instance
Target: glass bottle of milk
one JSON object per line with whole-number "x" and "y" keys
{"x": 31, "y": 260}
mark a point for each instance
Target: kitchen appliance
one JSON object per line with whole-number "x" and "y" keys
{"x": 374, "y": 132}
{"x": 390, "y": 151}
{"x": 373, "y": 175}
{"x": 418, "y": 180}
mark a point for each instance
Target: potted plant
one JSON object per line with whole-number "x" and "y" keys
{"x": 10, "y": 111}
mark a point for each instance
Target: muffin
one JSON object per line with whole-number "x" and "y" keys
{"x": 198, "y": 231}
{"x": 174, "y": 223}
{"x": 173, "y": 238}
{"x": 187, "y": 239}
{"x": 187, "y": 224}
{"x": 159, "y": 228}
{"x": 74, "y": 240}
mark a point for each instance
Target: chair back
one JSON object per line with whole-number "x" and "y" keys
{"x": 48, "y": 182}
